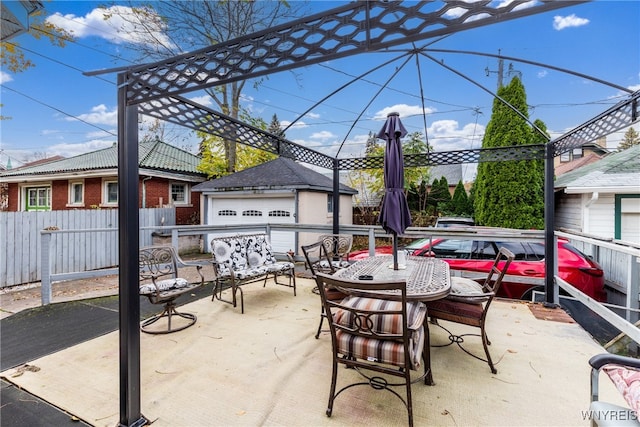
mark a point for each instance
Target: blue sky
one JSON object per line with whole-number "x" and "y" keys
{"x": 56, "y": 110}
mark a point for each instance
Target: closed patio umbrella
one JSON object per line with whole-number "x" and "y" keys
{"x": 394, "y": 213}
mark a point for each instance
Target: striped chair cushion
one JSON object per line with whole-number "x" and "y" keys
{"x": 389, "y": 351}
{"x": 382, "y": 324}
{"x": 383, "y": 351}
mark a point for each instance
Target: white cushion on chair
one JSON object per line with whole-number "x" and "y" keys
{"x": 163, "y": 285}
{"x": 466, "y": 290}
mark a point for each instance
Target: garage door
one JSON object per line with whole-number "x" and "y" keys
{"x": 257, "y": 211}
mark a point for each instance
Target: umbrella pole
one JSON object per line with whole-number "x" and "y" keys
{"x": 395, "y": 251}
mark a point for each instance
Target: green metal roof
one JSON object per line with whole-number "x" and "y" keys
{"x": 155, "y": 155}
{"x": 615, "y": 170}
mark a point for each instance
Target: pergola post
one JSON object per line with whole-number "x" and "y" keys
{"x": 128, "y": 235}
{"x": 336, "y": 197}
{"x": 550, "y": 246}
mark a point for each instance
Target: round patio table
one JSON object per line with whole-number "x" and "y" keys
{"x": 427, "y": 279}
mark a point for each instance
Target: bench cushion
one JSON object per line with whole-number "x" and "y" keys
{"x": 627, "y": 381}
{"x": 259, "y": 249}
{"x": 229, "y": 254}
{"x": 280, "y": 267}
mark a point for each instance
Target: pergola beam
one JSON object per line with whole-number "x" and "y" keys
{"x": 355, "y": 28}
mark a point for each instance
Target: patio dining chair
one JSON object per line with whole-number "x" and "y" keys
{"x": 158, "y": 270}
{"x": 469, "y": 304}
{"x": 317, "y": 260}
{"x": 337, "y": 247}
{"x": 382, "y": 339}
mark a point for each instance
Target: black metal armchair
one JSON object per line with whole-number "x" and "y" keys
{"x": 381, "y": 339}
{"x": 161, "y": 285}
{"x": 469, "y": 304}
{"x": 317, "y": 260}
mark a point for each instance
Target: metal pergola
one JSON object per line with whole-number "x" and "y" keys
{"x": 157, "y": 90}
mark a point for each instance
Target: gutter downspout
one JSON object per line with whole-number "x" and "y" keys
{"x": 594, "y": 198}
{"x": 144, "y": 191}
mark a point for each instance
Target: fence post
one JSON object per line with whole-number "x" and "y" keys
{"x": 175, "y": 241}
{"x": 45, "y": 268}
{"x": 633, "y": 289}
{"x": 372, "y": 242}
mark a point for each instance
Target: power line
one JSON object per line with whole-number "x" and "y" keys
{"x": 57, "y": 109}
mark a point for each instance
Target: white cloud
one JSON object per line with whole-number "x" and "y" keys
{"x": 403, "y": 109}
{"x": 542, "y": 74}
{"x": 99, "y": 115}
{"x": 298, "y": 125}
{"x": 323, "y": 135}
{"x": 562, "y": 22}
{"x": 70, "y": 150}
{"x": 5, "y": 77}
{"x": 313, "y": 115}
{"x": 446, "y": 135}
{"x": 634, "y": 87}
{"x": 117, "y": 24}
{"x": 204, "y": 100}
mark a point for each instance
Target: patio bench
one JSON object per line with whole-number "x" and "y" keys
{"x": 246, "y": 258}
{"x": 624, "y": 372}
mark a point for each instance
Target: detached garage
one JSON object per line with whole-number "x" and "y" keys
{"x": 279, "y": 191}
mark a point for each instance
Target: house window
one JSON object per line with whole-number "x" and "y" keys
{"x": 330, "y": 203}
{"x": 577, "y": 153}
{"x": 76, "y": 193}
{"x": 110, "y": 196}
{"x": 252, "y": 213}
{"x": 38, "y": 199}
{"x": 179, "y": 194}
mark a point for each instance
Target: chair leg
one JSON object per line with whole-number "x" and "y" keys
{"x": 332, "y": 391}
{"x": 426, "y": 354}
{"x": 485, "y": 344}
{"x": 409, "y": 402}
{"x": 322, "y": 317}
{"x": 168, "y": 312}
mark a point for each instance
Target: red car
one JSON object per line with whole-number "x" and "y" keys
{"x": 475, "y": 255}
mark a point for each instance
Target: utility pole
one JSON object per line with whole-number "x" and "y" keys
{"x": 500, "y": 71}
{"x": 512, "y": 71}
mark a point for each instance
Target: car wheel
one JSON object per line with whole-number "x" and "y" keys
{"x": 528, "y": 295}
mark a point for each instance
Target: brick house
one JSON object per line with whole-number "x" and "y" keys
{"x": 90, "y": 181}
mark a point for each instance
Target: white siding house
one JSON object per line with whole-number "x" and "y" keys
{"x": 602, "y": 198}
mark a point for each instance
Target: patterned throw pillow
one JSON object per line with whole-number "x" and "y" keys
{"x": 627, "y": 381}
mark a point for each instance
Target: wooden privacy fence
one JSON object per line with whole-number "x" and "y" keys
{"x": 93, "y": 244}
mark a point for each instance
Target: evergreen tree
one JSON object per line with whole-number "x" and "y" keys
{"x": 631, "y": 138}
{"x": 439, "y": 197}
{"x": 274, "y": 126}
{"x": 510, "y": 193}
{"x": 460, "y": 202}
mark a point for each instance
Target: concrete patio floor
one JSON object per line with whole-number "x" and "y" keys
{"x": 264, "y": 367}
